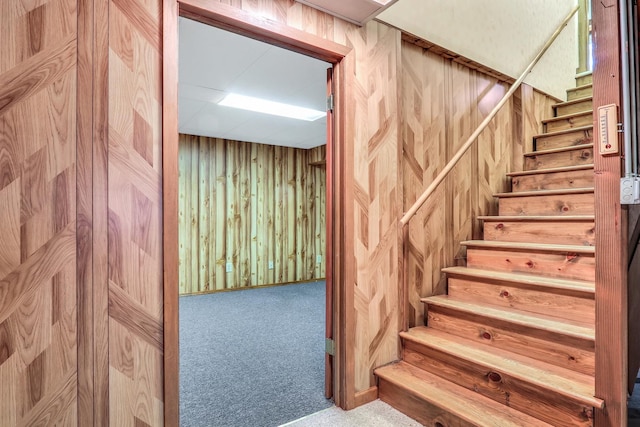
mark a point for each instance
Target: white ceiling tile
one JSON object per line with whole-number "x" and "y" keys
{"x": 214, "y": 62}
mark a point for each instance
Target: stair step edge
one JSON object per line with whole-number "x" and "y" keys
{"x": 563, "y": 131}
{"x": 552, "y": 170}
{"x": 529, "y": 279}
{"x": 574, "y": 101}
{"x": 568, "y": 383}
{"x": 516, "y": 317}
{"x": 567, "y": 116}
{"x": 559, "y": 150}
{"x": 533, "y": 193}
{"x": 461, "y": 402}
{"x": 547, "y": 247}
{"x": 536, "y": 218}
{"x": 584, "y": 86}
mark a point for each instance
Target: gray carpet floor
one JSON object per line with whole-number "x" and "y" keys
{"x": 253, "y": 357}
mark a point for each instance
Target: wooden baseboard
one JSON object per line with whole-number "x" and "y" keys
{"x": 244, "y": 288}
{"x": 365, "y": 396}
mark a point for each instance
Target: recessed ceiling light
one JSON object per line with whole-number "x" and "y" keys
{"x": 270, "y": 107}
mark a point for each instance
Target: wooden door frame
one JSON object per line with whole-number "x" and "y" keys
{"x": 343, "y": 274}
{"x": 611, "y": 230}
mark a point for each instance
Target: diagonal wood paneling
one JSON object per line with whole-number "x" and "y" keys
{"x": 135, "y": 214}
{"x": 442, "y": 104}
{"x": 378, "y": 193}
{"x": 38, "y": 325}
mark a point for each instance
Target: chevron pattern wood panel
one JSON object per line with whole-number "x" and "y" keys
{"x": 38, "y": 344}
{"x": 378, "y": 192}
{"x": 229, "y": 189}
{"x": 135, "y": 214}
{"x": 442, "y": 104}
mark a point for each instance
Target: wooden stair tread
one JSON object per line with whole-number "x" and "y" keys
{"x": 533, "y": 193}
{"x": 584, "y": 86}
{"x": 551, "y": 170}
{"x": 566, "y": 116}
{"x": 574, "y": 101}
{"x": 573, "y": 329}
{"x": 548, "y": 247}
{"x": 559, "y": 150}
{"x": 573, "y": 385}
{"x": 537, "y": 218}
{"x": 563, "y": 131}
{"x": 529, "y": 279}
{"x": 463, "y": 403}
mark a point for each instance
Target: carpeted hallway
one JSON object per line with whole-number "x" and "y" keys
{"x": 253, "y": 357}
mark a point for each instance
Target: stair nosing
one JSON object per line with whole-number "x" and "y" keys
{"x": 489, "y": 361}
{"x": 563, "y": 131}
{"x": 573, "y": 101}
{"x": 582, "y": 286}
{"x": 514, "y": 316}
{"x": 584, "y": 86}
{"x": 533, "y": 193}
{"x": 547, "y": 247}
{"x": 447, "y": 392}
{"x": 559, "y": 150}
{"x": 566, "y": 116}
{"x": 552, "y": 170}
{"x": 536, "y": 218}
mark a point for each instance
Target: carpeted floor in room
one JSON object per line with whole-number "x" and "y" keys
{"x": 253, "y": 357}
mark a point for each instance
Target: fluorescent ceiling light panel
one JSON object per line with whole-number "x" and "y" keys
{"x": 270, "y": 107}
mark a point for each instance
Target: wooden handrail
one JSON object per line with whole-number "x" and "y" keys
{"x": 456, "y": 158}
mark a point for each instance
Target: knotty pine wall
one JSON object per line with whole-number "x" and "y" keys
{"x": 443, "y": 102}
{"x": 248, "y": 204}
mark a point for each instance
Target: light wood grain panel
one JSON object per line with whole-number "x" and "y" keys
{"x": 536, "y": 107}
{"x": 442, "y": 104}
{"x": 377, "y": 201}
{"x": 38, "y": 238}
{"x": 135, "y": 293}
{"x": 233, "y": 213}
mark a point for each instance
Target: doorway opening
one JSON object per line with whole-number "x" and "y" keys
{"x": 339, "y": 381}
{"x": 252, "y": 203}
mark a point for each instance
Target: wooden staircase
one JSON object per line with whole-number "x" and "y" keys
{"x": 512, "y": 343}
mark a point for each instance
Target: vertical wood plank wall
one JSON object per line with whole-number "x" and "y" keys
{"x": 248, "y": 204}
{"x": 38, "y": 308}
{"x": 442, "y": 104}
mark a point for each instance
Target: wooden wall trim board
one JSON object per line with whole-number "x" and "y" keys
{"x": 170, "y": 210}
{"x": 611, "y": 237}
{"x": 238, "y": 21}
{"x": 84, "y": 213}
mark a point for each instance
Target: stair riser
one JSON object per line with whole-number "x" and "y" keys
{"x": 424, "y": 412}
{"x": 558, "y": 349}
{"x": 563, "y": 305}
{"x": 563, "y": 204}
{"x": 563, "y": 265}
{"x": 516, "y": 393}
{"x": 584, "y": 80}
{"x": 577, "y": 93}
{"x": 577, "y": 107}
{"x": 553, "y": 181}
{"x": 569, "y": 139}
{"x": 560, "y": 232}
{"x": 569, "y": 123}
{"x": 582, "y": 156}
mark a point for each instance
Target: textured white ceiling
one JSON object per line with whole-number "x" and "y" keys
{"x": 214, "y": 62}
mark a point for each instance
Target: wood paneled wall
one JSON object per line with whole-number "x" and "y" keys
{"x": 38, "y": 292}
{"x": 248, "y": 204}
{"x": 135, "y": 292}
{"x": 442, "y": 104}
